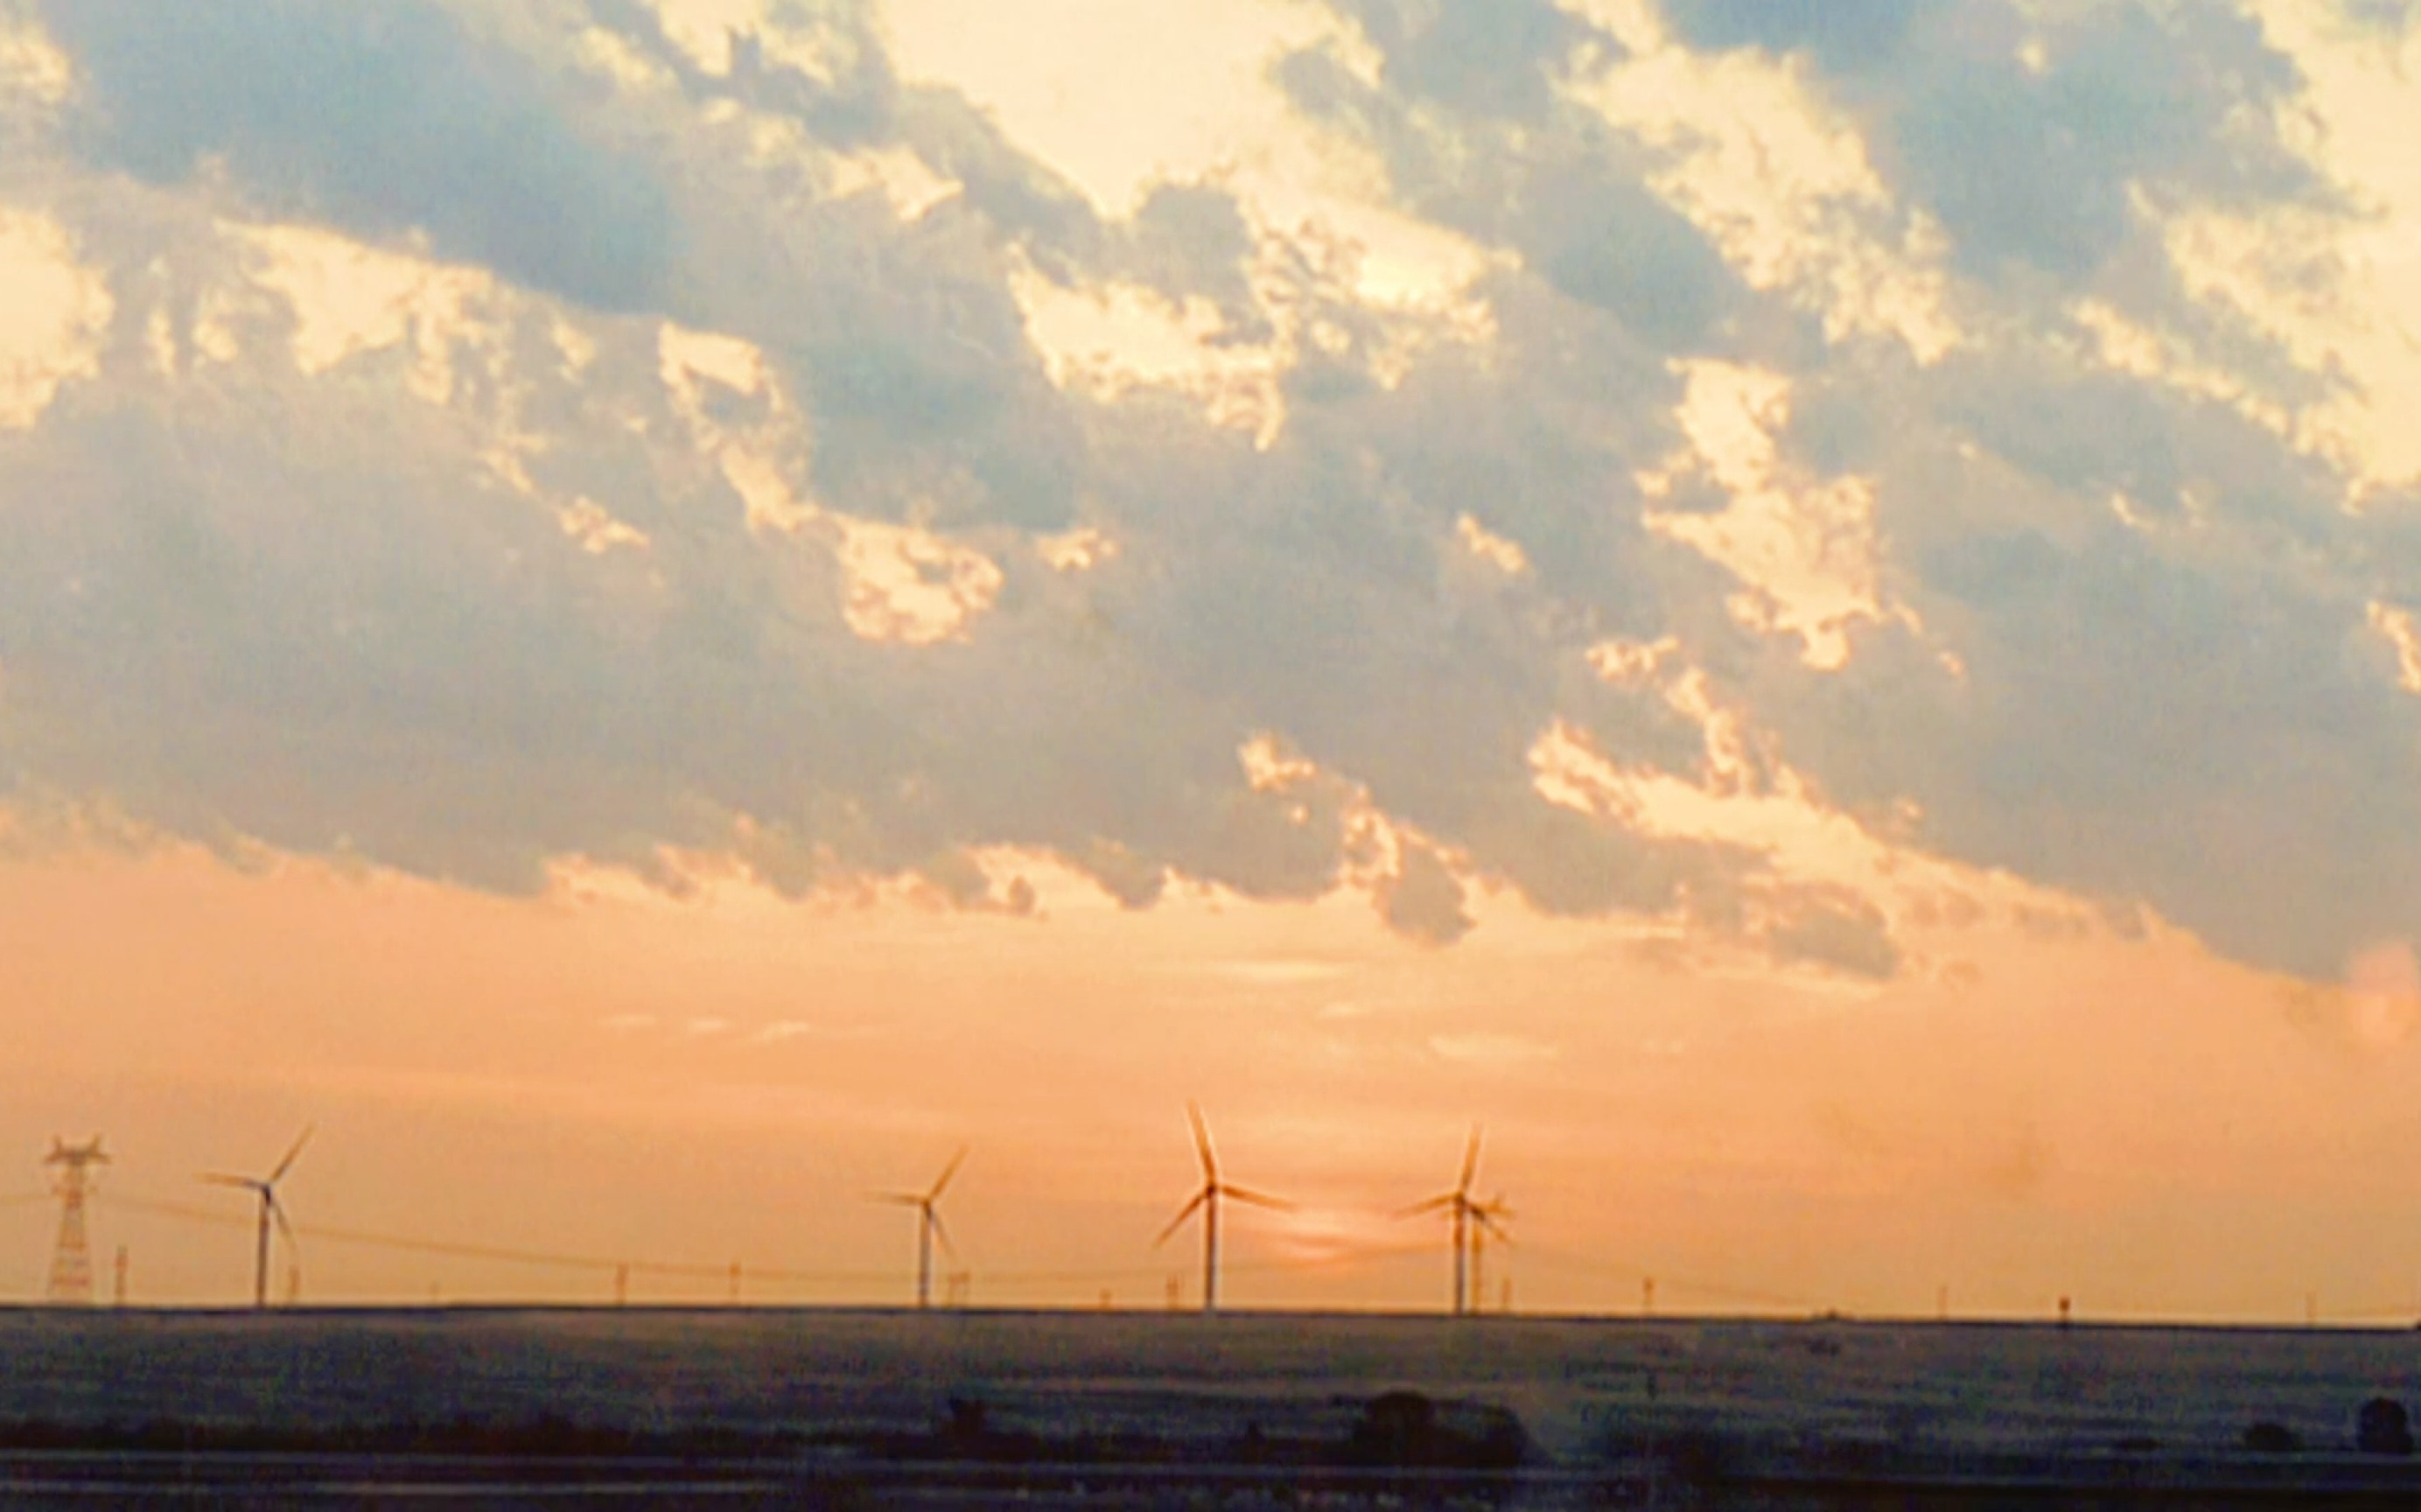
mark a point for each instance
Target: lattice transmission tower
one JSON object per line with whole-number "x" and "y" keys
{"x": 72, "y": 1261}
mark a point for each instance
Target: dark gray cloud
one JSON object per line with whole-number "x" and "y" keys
{"x": 1495, "y": 58}
{"x": 1423, "y": 898}
{"x": 2026, "y": 134}
{"x": 1566, "y": 194}
{"x": 2037, "y": 165}
{"x": 1836, "y": 928}
{"x": 1845, "y": 36}
{"x": 382, "y": 117}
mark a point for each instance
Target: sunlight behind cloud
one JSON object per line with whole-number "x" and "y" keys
{"x": 31, "y": 65}
{"x": 349, "y": 298}
{"x": 1780, "y": 183}
{"x": 913, "y": 586}
{"x": 53, "y": 312}
{"x": 1115, "y": 95}
{"x": 2343, "y": 296}
{"x": 1805, "y": 550}
{"x": 1108, "y": 340}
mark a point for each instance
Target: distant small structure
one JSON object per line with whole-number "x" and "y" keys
{"x": 117, "y": 1288}
{"x": 2063, "y": 1312}
{"x": 71, "y": 1284}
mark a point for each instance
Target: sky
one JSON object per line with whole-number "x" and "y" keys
{"x": 654, "y": 614}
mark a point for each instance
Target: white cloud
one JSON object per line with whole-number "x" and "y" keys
{"x": 1495, "y": 1052}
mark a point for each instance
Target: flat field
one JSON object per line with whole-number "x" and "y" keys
{"x": 1587, "y": 1392}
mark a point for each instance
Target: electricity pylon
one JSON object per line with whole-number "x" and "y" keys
{"x": 72, "y": 1259}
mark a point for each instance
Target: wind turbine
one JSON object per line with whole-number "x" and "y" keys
{"x": 1468, "y": 1217}
{"x": 265, "y": 1187}
{"x": 1207, "y": 1199}
{"x": 928, "y": 1225}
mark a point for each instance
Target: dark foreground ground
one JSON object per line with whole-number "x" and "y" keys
{"x": 736, "y": 1408}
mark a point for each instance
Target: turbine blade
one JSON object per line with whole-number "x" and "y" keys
{"x": 286, "y": 1164}
{"x": 898, "y": 1199}
{"x": 277, "y": 1212}
{"x": 1182, "y": 1214}
{"x": 1202, "y": 1142}
{"x": 219, "y": 1179}
{"x": 948, "y": 1171}
{"x": 1470, "y": 1160}
{"x": 1437, "y": 1203}
{"x": 941, "y": 1232}
{"x": 1258, "y": 1199}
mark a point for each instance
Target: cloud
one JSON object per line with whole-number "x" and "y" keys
{"x": 1843, "y": 35}
{"x": 382, "y": 119}
{"x": 700, "y": 491}
{"x": 1424, "y": 898}
{"x": 1493, "y": 57}
{"x": 1836, "y": 928}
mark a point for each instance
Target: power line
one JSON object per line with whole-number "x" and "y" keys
{"x": 562, "y": 1260}
{"x": 1631, "y": 1269}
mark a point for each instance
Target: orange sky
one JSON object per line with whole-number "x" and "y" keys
{"x": 605, "y": 1073}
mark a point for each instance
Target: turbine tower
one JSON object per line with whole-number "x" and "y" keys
{"x": 928, "y": 1226}
{"x": 1207, "y": 1199}
{"x": 265, "y": 1187}
{"x": 1469, "y": 1219}
{"x": 72, "y": 1261}
{"x": 1485, "y": 1220}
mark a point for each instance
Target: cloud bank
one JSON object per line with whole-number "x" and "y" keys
{"x": 488, "y": 437}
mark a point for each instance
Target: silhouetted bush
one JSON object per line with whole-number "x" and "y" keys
{"x": 1403, "y": 1430}
{"x": 2268, "y": 1438}
{"x": 2382, "y": 1429}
